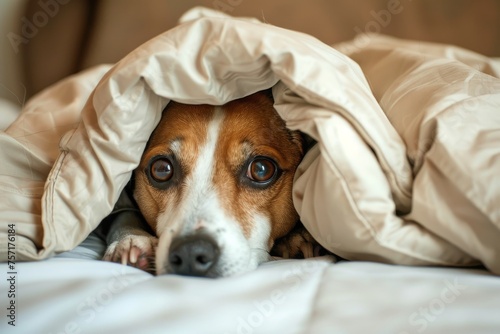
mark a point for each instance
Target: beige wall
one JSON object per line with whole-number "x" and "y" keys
{"x": 119, "y": 26}
{"x": 11, "y": 83}
{"x": 470, "y": 23}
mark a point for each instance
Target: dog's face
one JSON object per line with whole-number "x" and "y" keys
{"x": 215, "y": 184}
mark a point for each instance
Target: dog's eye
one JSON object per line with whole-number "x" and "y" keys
{"x": 161, "y": 170}
{"x": 261, "y": 169}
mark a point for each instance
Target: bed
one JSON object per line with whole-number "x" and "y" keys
{"x": 402, "y": 186}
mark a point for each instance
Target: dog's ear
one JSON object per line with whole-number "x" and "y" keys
{"x": 268, "y": 93}
{"x": 307, "y": 142}
{"x": 296, "y": 138}
{"x": 302, "y": 140}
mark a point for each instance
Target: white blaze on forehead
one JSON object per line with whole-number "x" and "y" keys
{"x": 200, "y": 181}
{"x": 200, "y": 202}
{"x": 201, "y": 205}
{"x": 199, "y": 191}
{"x": 176, "y": 146}
{"x": 198, "y": 184}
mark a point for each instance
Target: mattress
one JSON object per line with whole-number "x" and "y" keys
{"x": 76, "y": 293}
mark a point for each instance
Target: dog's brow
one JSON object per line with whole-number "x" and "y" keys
{"x": 249, "y": 148}
{"x": 176, "y": 145}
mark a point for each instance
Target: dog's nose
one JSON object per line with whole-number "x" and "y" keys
{"x": 193, "y": 255}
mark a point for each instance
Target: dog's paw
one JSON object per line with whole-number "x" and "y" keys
{"x": 133, "y": 250}
{"x": 298, "y": 244}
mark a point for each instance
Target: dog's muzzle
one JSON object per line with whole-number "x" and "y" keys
{"x": 193, "y": 255}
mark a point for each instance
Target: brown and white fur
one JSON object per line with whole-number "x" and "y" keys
{"x": 215, "y": 186}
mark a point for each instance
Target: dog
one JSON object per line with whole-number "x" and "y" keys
{"x": 214, "y": 191}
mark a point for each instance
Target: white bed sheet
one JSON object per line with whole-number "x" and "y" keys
{"x": 73, "y": 293}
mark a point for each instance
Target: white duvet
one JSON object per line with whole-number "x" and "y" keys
{"x": 406, "y": 169}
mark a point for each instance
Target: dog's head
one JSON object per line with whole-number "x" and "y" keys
{"x": 215, "y": 184}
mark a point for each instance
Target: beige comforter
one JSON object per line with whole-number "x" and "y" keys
{"x": 406, "y": 169}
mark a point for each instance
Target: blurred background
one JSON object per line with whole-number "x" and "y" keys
{"x": 46, "y": 40}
